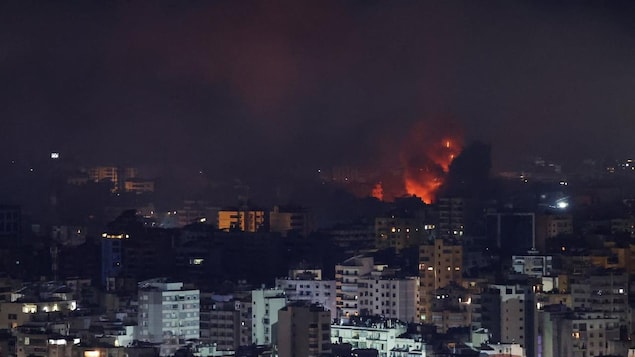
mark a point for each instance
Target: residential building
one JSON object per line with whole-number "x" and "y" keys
{"x": 265, "y": 304}
{"x": 347, "y": 275}
{"x": 562, "y": 332}
{"x": 508, "y": 312}
{"x": 242, "y": 219}
{"x": 168, "y": 314}
{"x": 307, "y": 286}
{"x": 440, "y": 264}
{"x": 383, "y": 293}
{"x": 533, "y": 264}
{"x": 286, "y": 220}
{"x": 220, "y": 321}
{"x": 304, "y": 330}
{"x": 400, "y": 232}
{"x": 380, "y": 334}
{"x": 451, "y": 217}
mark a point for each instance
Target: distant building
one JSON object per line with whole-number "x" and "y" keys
{"x": 308, "y": 286}
{"x": 244, "y": 220}
{"x": 304, "y": 330}
{"x": 512, "y": 232}
{"x": 533, "y": 264}
{"x": 220, "y": 321}
{"x": 507, "y": 312}
{"x": 265, "y": 304}
{"x": 137, "y": 185}
{"x": 112, "y": 256}
{"x": 286, "y": 220}
{"x": 451, "y": 217}
{"x": 36, "y": 302}
{"x": 400, "y": 232}
{"x": 347, "y": 276}
{"x": 379, "y": 334}
{"x": 105, "y": 173}
{"x": 440, "y": 264}
{"x": 393, "y": 297}
{"x": 168, "y": 314}
{"x": 562, "y": 332}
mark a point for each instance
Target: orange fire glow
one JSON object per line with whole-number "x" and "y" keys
{"x": 426, "y": 161}
{"x": 378, "y": 191}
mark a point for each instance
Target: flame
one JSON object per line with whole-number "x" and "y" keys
{"x": 378, "y": 191}
{"x": 426, "y": 162}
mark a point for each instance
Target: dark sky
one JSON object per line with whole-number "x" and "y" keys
{"x": 227, "y": 85}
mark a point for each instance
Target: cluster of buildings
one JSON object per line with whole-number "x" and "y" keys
{"x": 537, "y": 273}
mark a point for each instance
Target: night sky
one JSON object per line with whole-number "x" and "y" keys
{"x": 230, "y": 85}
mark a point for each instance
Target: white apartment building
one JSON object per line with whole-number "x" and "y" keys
{"x": 347, "y": 275}
{"x": 533, "y": 264}
{"x": 390, "y": 297}
{"x": 380, "y": 335}
{"x": 168, "y": 314}
{"x": 309, "y": 287}
{"x": 265, "y": 304}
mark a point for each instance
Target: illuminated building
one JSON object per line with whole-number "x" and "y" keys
{"x": 39, "y": 301}
{"x": 197, "y": 211}
{"x": 562, "y": 332}
{"x": 138, "y": 185}
{"x": 347, "y": 275}
{"x": 308, "y": 286}
{"x": 168, "y": 314}
{"x": 451, "y": 217}
{"x": 400, "y": 232}
{"x": 105, "y": 173}
{"x": 451, "y": 308}
{"x": 533, "y": 264}
{"x": 265, "y": 304}
{"x": 550, "y": 226}
{"x": 285, "y": 220}
{"x": 440, "y": 264}
{"x": 244, "y": 220}
{"x": 304, "y": 330}
{"x": 111, "y": 256}
{"x": 44, "y": 340}
{"x": 380, "y": 334}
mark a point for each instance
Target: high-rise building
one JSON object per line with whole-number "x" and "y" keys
{"x": 389, "y": 296}
{"x": 508, "y": 313}
{"x": 512, "y": 232}
{"x": 265, "y": 304}
{"x": 168, "y": 314}
{"x": 304, "y": 330}
{"x": 111, "y": 256}
{"x": 220, "y": 321}
{"x": 347, "y": 275}
{"x": 440, "y": 263}
{"x": 451, "y": 217}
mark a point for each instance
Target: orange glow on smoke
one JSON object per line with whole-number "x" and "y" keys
{"x": 378, "y": 191}
{"x": 426, "y": 161}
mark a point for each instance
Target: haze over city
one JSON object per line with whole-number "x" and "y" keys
{"x": 251, "y": 87}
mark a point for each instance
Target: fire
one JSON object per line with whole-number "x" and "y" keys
{"x": 426, "y": 162}
{"x": 378, "y": 191}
